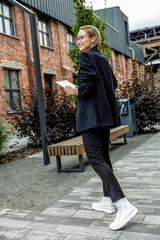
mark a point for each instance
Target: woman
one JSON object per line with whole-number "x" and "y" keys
{"x": 97, "y": 113}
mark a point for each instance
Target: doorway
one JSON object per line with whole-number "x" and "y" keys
{"x": 48, "y": 89}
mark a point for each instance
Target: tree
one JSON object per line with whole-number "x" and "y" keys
{"x": 85, "y": 16}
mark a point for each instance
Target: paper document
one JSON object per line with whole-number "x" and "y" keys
{"x": 66, "y": 83}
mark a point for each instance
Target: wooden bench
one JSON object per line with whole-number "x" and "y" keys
{"x": 74, "y": 146}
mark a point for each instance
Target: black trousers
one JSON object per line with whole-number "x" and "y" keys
{"x": 96, "y": 144}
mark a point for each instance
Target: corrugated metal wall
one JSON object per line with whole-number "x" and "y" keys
{"x": 61, "y": 10}
{"x": 118, "y": 40}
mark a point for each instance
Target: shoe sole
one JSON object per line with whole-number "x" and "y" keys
{"x": 126, "y": 220}
{"x": 102, "y": 210}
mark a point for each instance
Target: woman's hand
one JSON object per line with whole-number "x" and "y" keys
{"x": 70, "y": 91}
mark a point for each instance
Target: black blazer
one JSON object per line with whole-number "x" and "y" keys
{"x": 97, "y": 105}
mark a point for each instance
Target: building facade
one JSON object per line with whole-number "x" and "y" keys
{"x": 149, "y": 40}
{"x": 53, "y": 18}
{"x": 123, "y": 50}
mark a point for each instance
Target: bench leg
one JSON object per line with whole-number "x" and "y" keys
{"x": 59, "y": 166}
{"x": 123, "y": 143}
{"x": 125, "y": 139}
{"x": 81, "y": 164}
{"x": 80, "y": 169}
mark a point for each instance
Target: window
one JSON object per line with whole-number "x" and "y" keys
{"x": 48, "y": 89}
{"x": 12, "y": 89}
{"x": 70, "y": 39}
{"x": 139, "y": 67}
{"x": 6, "y": 22}
{"x": 126, "y": 63}
{"x": 111, "y": 61}
{"x": 117, "y": 60}
{"x": 126, "y": 32}
{"x": 44, "y": 32}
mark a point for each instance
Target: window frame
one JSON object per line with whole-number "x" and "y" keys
{"x": 43, "y": 33}
{"x": 10, "y": 18}
{"x": 126, "y": 32}
{"x": 71, "y": 44}
{"x": 12, "y": 90}
{"x": 126, "y": 63}
{"x": 117, "y": 60}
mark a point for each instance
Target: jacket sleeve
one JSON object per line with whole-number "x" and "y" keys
{"x": 87, "y": 75}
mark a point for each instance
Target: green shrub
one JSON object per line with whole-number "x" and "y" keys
{"x": 4, "y": 134}
{"x": 60, "y": 118}
{"x": 145, "y": 92}
{"x": 147, "y": 107}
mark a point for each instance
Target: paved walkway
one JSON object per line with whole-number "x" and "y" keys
{"x": 71, "y": 218}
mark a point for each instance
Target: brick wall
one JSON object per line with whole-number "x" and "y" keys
{"x": 54, "y": 60}
{"x": 121, "y": 72}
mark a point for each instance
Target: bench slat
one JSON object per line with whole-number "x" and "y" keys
{"x": 80, "y": 149}
{"x": 74, "y": 146}
{"x": 114, "y": 133}
{"x": 69, "y": 141}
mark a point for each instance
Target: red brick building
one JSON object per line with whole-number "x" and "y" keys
{"x": 55, "y": 39}
{"x": 15, "y": 58}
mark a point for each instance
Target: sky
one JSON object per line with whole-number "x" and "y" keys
{"x": 140, "y": 13}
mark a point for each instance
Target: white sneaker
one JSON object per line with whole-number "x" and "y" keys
{"x": 104, "y": 205}
{"x": 126, "y": 212}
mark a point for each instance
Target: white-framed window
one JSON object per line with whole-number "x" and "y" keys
{"x": 6, "y": 20}
{"x": 44, "y": 32}
{"x": 12, "y": 90}
{"x": 70, "y": 39}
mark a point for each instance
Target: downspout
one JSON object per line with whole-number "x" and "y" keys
{"x": 28, "y": 56}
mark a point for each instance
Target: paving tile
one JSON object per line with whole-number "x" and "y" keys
{"x": 142, "y": 228}
{"x": 104, "y": 223}
{"x": 40, "y": 235}
{"x": 138, "y": 219}
{"x": 86, "y": 206}
{"x": 47, "y": 227}
{"x": 92, "y": 232}
{"x": 138, "y": 236}
{"x": 2, "y": 214}
{"x": 16, "y": 215}
{"x": 89, "y": 214}
{"x": 59, "y": 212}
{"x": 75, "y": 237}
{"x": 5, "y": 222}
{"x": 11, "y": 233}
{"x": 65, "y": 205}
{"x": 152, "y": 219}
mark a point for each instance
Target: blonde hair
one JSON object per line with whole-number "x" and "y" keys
{"x": 92, "y": 31}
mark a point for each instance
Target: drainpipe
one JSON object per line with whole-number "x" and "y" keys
{"x": 28, "y": 55}
{"x": 37, "y": 67}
